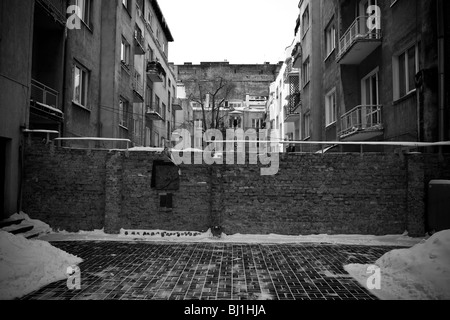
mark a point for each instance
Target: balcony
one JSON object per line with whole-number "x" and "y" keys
{"x": 358, "y": 42}
{"x": 45, "y": 100}
{"x": 297, "y": 56}
{"x": 177, "y": 105}
{"x": 56, "y": 9}
{"x": 138, "y": 87}
{"x": 153, "y": 112}
{"x": 291, "y": 72}
{"x": 155, "y": 71}
{"x": 291, "y": 109}
{"x": 362, "y": 123}
{"x": 139, "y": 47}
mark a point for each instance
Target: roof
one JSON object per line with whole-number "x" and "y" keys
{"x": 162, "y": 20}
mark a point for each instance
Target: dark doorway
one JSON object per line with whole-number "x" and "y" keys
{"x": 3, "y": 143}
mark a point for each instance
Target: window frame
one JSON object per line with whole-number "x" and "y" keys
{"x": 330, "y": 117}
{"x": 123, "y": 113}
{"x": 125, "y": 52}
{"x": 84, "y": 86}
{"x": 397, "y": 90}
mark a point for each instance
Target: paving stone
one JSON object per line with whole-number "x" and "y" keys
{"x": 160, "y": 271}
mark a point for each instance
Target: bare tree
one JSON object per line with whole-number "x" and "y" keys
{"x": 211, "y": 95}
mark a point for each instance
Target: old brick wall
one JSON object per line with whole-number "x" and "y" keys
{"x": 64, "y": 188}
{"x": 334, "y": 194}
{"x": 312, "y": 193}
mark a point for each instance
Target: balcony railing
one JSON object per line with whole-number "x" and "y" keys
{"x": 361, "y": 119}
{"x": 155, "y": 71}
{"x": 290, "y": 72}
{"x": 291, "y": 109}
{"x": 139, "y": 42}
{"x": 176, "y": 104}
{"x": 138, "y": 85}
{"x": 359, "y": 32}
{"x": 153, "y": 112}
{"x": 44, "y": 95}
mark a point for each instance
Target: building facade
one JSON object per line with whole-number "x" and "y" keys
{"x": 241, "y": 102}
{"x": 371, "y": 71}
{"x": 100, "y": 70}
{"x": 32, "y": 50}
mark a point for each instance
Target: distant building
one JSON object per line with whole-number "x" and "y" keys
{"x": 243, "y": 107}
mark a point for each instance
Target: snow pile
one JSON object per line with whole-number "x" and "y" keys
{"x": 419, "y": 273}
{"x": 26, "y": 266}
{"x": 39, "y": 227}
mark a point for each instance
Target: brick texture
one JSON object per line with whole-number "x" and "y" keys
{"x": 312, "y": 194}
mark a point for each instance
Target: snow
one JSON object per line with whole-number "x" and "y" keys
{"x": 207, "y": 237}
{"x": 146, "y": 149}
{"x": 419, "y": 273}
{"x": 26, "y": 266}
{"x": 39, "y": 227}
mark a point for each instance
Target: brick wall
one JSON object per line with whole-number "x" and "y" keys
{"x": 312, "y": 194}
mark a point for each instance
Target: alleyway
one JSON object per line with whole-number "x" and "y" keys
{"x": 157, "y": 271}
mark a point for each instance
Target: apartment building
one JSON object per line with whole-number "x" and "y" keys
{"x": 137, "y": 83}
{"x": 32, "y": 50}
{"x": 390, "y": 71}
{"x": 99, "y": 71}
{"x": 371, "y": 71}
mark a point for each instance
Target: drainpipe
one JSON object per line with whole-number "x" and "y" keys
{"x": 441, "y": 71}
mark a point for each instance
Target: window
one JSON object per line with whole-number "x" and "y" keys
{"x": 158, "y": 35}
{"x": 81, "y": 86}
{"x": 137, "y": 131}
{"x": 330, "y": 39}
{"x": 164, "y": 111}
{"x": 85, "y": 10}
{"x": 256, "y": 123}
{"x": 148, "y": 137}
{"x": 149, "y": 97}
{"x": 306, "y": 126}
{"x": 406, "y": 66}
{"x": 150, "y": 20}
{"x": 305, "y": 21}
{"x": 150, "y": 56}
{"x": 125, "y": 52}
{"x": 306, "y": 72}
{"x": 199, "y": 124}
{"x": 123, "y": 113}
{"x": 157, "y": 107}
{"x": 330, "y": 107}
{"x": 369, "y": 89}
{"x": 156, "y": 140}
{"x": 126, "y": 4}
{"x": 169, "y": 131}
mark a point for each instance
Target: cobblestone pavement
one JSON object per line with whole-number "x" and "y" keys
{"x": 159, "y": 271}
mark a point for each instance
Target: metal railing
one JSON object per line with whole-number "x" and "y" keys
{"x": 357, "y": 31}
{"x": 44, "y": 94}
{"x": 364, "y": 117}
{"x": 139, "y": 37}
{"x": 153, "y": 108}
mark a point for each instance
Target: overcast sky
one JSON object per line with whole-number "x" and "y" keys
{"x": 240, "y": 31}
